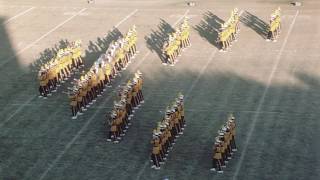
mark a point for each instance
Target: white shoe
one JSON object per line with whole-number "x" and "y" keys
{"x": 116, "y": 142}
{"x": 224, "y": 166}
{"x": 221, "y": 172}
{"x": 161, "y": 162}
{"x": 153, "y": 166}
{"x": 74, "y": 117}
{"x": 45, "y": 98}
{"x": 84, "y": 109}
{"x": 180, "y": 133}
{"x": 79, "y": 113}
{"x": 157, "y": 168}
{"x": 40, "y": 96}
{"x": 164, "y": 64}
{"x": 108, "y": 140}
{"x": 94, "y": 100}
{"x": 213, "y": 169}
{"x": 142, "y": 102}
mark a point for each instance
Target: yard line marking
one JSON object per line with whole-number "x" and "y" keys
{"x": 17, "y": 111}
{"x": 18, "y": 15}
{"x": 184, "y": 15}
{"x": 262, "y": 99}
{"x": 84, "y": 127}
{"x": 43, "y": 36}
{"x": 127, "y": 17}
{"x": 200, "y": 74}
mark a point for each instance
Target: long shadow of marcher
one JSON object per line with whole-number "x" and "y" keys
{"x": 95, "y": 49}
{"x": 47, "y": 55}
{"x": 256, "y": 24}
{"x": 209, "y": 27}
{"x": 157, "y": 38}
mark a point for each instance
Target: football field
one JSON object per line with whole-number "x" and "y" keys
{"x": 273, "y": 89}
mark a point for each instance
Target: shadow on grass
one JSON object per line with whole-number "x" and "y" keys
{"x": 46, "y": 55}
{"x": 96, "y": 48}
{"x": 208, "y": 28}
{"x": 157, "y": 38}
{"x": 255, "y": 23}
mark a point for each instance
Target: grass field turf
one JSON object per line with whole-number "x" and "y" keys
{"x": 273, "y": 89}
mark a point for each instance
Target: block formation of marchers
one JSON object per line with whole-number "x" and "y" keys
{"x": 129, "y": 98}
{"x": 59, "y": 68}
{"x": 229, "y": 31}
{"x": 224, "y": 145}
{"x": 167, "y": 132}
{"x": 275, "y": 25}
{"x": 93, "y": 82}
{"x": 177, "y": 42}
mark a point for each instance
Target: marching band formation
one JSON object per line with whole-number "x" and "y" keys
{"x": 59, "y": 68}
{"x": 92, "y": 84}
{"x": 178, "y": 40}
{"x": 229, "y": 30}
{"x": 275, "y": 25}
{"x": 130, "y": 98}
{"x": 167, "y": 132}
{"x": 224, "y": 146}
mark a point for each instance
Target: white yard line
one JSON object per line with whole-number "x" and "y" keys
{"x": 195, "y": 82}
{"x": 18, "y": 15}
{"x": 84, "y": 127}
{"x": 21, "y": 106}
{"x": 262, "y": 99}
{"x": 184, "y": 15}
{"x": 41, "y": 37}
{"x": 126, "y": 18}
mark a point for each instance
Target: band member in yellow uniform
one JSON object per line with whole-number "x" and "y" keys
{"x": 44, "y": 81}
{"x": 217, "y": 161}
{"x": 73, "y": 104}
